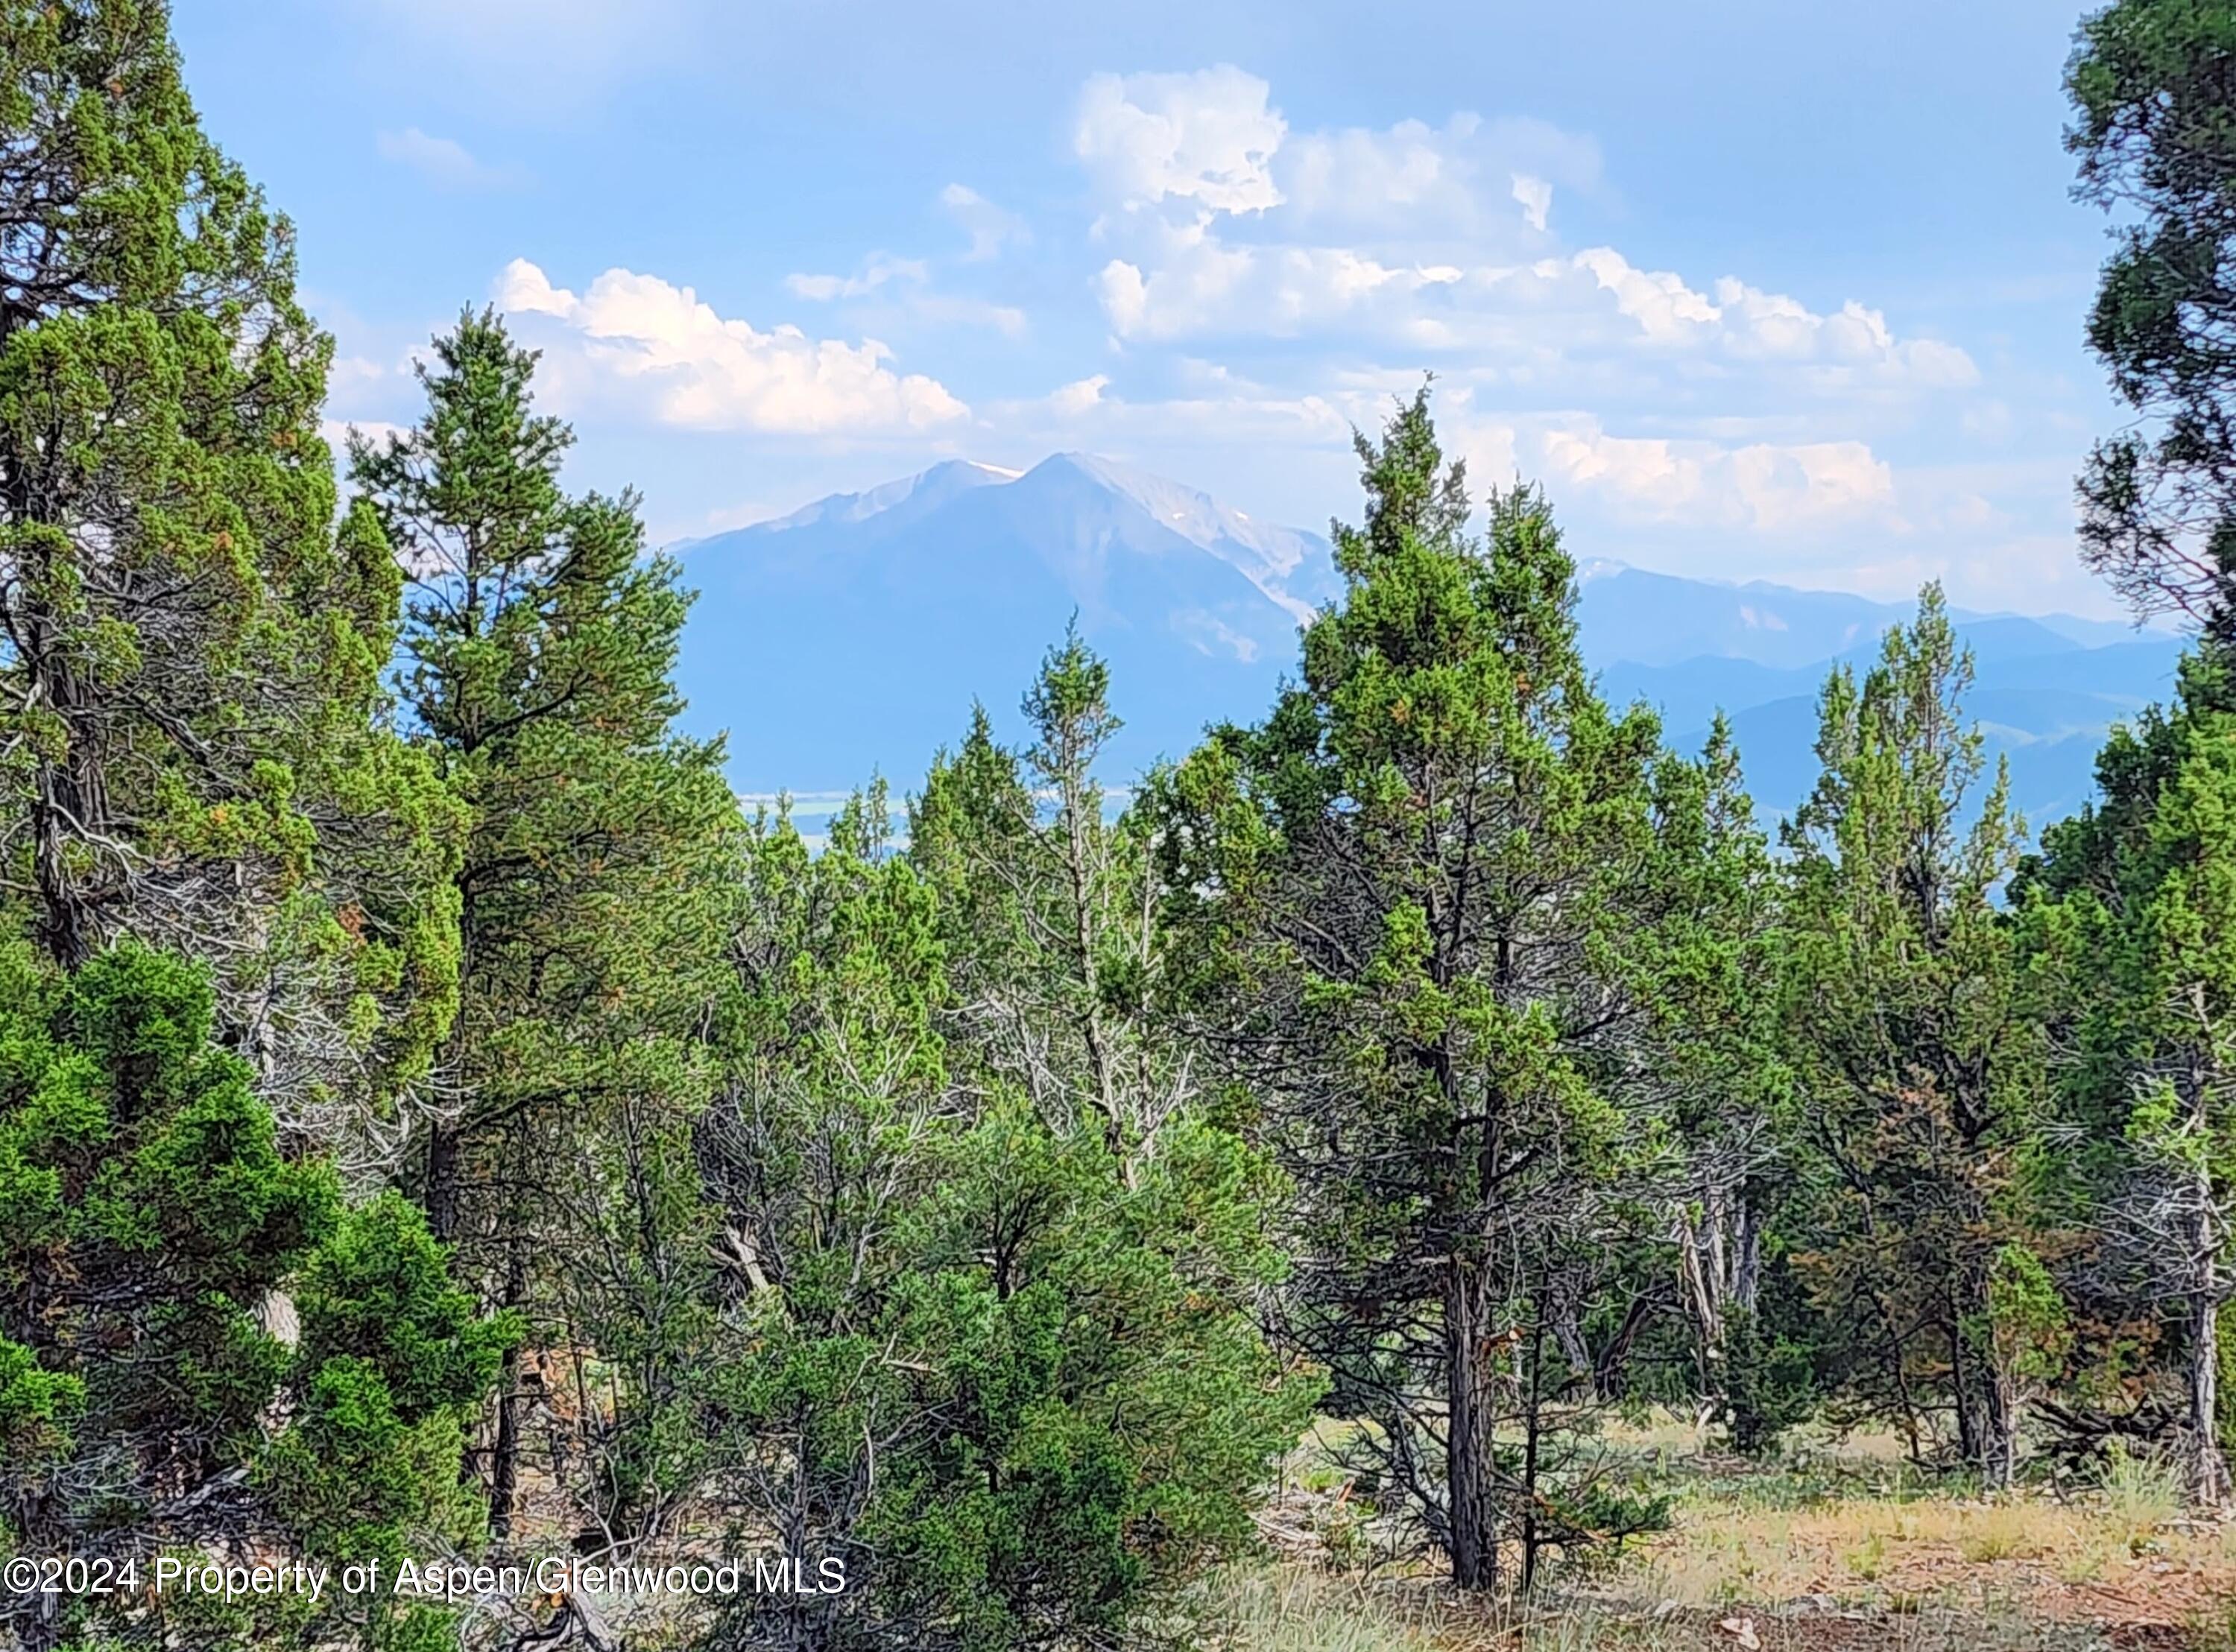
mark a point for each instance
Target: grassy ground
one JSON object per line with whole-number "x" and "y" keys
{"x": 1838, "y": 1546}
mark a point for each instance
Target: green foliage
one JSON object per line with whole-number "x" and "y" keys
{"x": 2029, "y": 1328}
{"x": 1769, "y": 1386}
{"x": 1016, "y": 1277}
{"x": 150, "y": 1223}
{"x": 378, "y": 1294}
{"x": 191, "y": 681}
{"x": 2149, "y": 82}
{"x": 539, "y": 647}
{"x": 1423, "y": 874}
{"x": 2126, "y": 913}
{"x": 1918, "y": 1058}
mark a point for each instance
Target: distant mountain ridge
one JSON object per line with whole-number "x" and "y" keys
{"x": 854, "y": 634}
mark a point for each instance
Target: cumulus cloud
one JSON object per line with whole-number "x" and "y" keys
{"x": 1763, "y": 485}
{"x": 639, "y": 339}
{"x": 1554, "y": 316}
{"x": 1750, "y": 322}
{"x": 1435, "y": 183}
{"x": 1207, "y": 137}
{"x": 444, "y": 161}
{"x": 1197, "y": 284}
{"x": 1079, "y": 395}
{"x": 1666, "y": 310}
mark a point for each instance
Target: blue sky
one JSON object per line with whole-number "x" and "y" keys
{"x": 1757, "y": 289}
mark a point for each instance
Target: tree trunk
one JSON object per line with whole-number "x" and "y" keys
{"x": 440, "y": 1195}
{"x": 2208, "y": 1476}
{"x": 1568, "y": 1328}
{"x": 69, "y": 809}
{"x": 1467, "y": 1465}
{"x": 1746, "y": 1273}
{"x": 504, "y": 1462}
{"x": 2004, "y": 1470}
{"x": 1533, "y": 1390}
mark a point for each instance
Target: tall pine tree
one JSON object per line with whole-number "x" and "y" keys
{"x": 540, "y": 644}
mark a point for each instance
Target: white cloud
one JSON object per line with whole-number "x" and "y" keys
{"x": 1079, "y": 395}
{"x": 1536, "y": 198}
{"x": 1207, "y": 137}
{"x": 1208, "y": 634}
{"x": 1749, "y": 323}
{"x": 440, "y": 161}
{"x": 1409, "y": 168}
{"x": 988, "y": 226}
{"x": 1441, "y": 184}
{"x": 1763, "y": 485}
{"x": 337, "y": 433}
{"x": 1559, "y": 320}
{"x": 875, "y": 272}
{"x": 1198, "y": 284}
{"x": 634, "y": 337}
{"x": 1666, "y": 310}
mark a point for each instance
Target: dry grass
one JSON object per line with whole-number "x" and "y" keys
{"x": 1292, "y": 1609}
{"x": 1842, "y": 1545}
{"x": 1843, "y": 1527}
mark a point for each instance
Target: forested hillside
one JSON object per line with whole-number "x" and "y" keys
{"x": 441, "y": 1129}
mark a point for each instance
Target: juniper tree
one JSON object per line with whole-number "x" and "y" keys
{"x": 1002, "y": 1375}
{"x": 539, "y": 647}
{"x": 2151, "y": 82}
{"x": 2127, "y": 910}
{"x": 199, "y": 1347}
{"x": 1421, "y": 866}
{"x": 1703, "y": 961}
{"x": 1917, "y": 1060}
{"x": 189, "y": 651}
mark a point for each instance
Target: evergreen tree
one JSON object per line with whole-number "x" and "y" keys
{"x": 1422, "y": 867}
{"x": 2151, "y": 82}
{"x": 1002, "y": 1371}
{"x": 189, "y": 653}
{"x": 151, "y": 1230}
{"x": 1050, "y": 922}
{"x": 1917, "y": 1059}
{"x": 1704, "y": 968}
{"x": 540, "y": 646}
{"x": 2128, "y": 909}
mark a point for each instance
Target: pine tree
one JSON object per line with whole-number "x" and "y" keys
{"x": 1704, "y": 968}
{"x": 1917, "y": 1055}
{"x": 540, "y": 646}
{"x": 1423, "y": 865}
